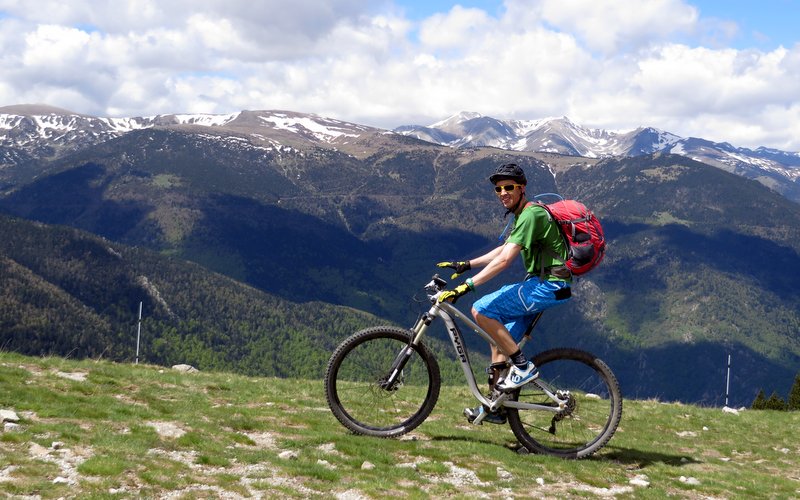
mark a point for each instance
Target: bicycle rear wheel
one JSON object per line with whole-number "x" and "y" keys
{"x": 590, "y": 416}
{"x": 356, "y": 383}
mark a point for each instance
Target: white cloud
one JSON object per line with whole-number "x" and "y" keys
{"x": 610, "y": 25}
{"x": 615, "y": 64}
{"x": 712, "y": 87}
{"x": 458, "y": 28}
{"x": 52, "y": 46}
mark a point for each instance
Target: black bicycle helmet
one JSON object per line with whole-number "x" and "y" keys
{"x": 509, "y": 171}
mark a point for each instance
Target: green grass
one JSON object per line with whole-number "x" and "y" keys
{"x": 224, "y": 435}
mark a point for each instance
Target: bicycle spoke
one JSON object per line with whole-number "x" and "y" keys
{"x": 590, "y": 412}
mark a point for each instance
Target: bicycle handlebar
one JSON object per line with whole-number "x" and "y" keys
{"x": 435, "y": 287}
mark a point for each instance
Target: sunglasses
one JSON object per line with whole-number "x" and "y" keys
{"x": 508, "y": 188}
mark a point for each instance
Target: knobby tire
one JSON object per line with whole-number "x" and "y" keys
{"x": 355, "y": 393}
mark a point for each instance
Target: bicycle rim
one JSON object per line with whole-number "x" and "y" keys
{"x": 592, "y": 413}
{"x": 356, "y": 390}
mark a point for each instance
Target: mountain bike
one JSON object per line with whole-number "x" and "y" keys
{"x": 384, "y": 381}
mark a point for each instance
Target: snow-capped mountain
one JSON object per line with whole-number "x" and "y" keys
{"x": 777, "y": 169}
{"x": 32, "y": 133}
{"x": 35, "y": 132}
{"x": 548, "y": 135}
{"x": 560, "y": 135}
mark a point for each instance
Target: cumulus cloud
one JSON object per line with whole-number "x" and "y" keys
{"x": 458, "y": 28}
{"x": 614, "y": 64}
{"x": 611, "y": 25}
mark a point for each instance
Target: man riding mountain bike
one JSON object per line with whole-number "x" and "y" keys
{"x": 505, "y": 313}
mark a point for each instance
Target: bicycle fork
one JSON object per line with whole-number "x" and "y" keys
{"x": 390, "y": 382}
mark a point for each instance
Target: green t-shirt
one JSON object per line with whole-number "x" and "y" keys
{"x": 533, "y": 230}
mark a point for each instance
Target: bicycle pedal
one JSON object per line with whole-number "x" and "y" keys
{"x": 472, "y": 417}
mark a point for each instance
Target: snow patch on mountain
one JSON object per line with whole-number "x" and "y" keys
{"x": 124, "y": 125}
{"x": 9, "y": 122}
{"x": 525, "y": 127}
{"x": 455, "y": 119}
{"x": 322, "y": 129}
{"x": 206, "y": 120}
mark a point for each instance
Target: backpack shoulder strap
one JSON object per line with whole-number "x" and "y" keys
{"x": 547, "y": 250}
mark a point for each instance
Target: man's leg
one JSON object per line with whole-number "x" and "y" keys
{"x": 494, "y": 373}
{"x": 489, "y": 311}
{"x": 499, "y": 334}
{"x": 522, "y": 370}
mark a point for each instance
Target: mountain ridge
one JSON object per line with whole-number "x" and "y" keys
{"x": 778, "y": 170}
{"x": 29, "y": 133}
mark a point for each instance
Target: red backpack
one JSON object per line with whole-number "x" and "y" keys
{"x": 581, "y": 229}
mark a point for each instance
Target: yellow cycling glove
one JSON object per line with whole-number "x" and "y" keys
{"x": 460, "y": 267}
{"x": 453, "y": 295}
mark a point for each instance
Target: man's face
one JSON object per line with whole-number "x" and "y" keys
{"x": 509, "y": 198}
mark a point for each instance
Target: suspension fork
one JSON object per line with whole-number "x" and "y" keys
{"x": 390, "y": 383}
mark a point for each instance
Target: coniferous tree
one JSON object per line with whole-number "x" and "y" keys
{"x": 760, "y": 402}
{"x": 793, "y": 402}
{"x": 775, "y": 402}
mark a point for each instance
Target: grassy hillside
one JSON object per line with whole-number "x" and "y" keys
{"x": 95, "y": 429}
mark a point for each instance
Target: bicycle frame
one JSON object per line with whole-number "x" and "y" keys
{"x": 446, "y": 311}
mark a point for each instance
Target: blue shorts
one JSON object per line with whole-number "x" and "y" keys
{"x": 515, "y": 305}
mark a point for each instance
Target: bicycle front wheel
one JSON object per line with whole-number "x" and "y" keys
{"x": 362, "y": 391}
{"x": 586, "y": 421}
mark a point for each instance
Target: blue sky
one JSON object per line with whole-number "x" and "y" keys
{"x": 724, "y": 71}
{"x": 762, "y": 23}
{"x": 420, "y": 9}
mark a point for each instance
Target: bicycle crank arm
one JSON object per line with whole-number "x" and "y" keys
{"x": 495, "y": 404}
